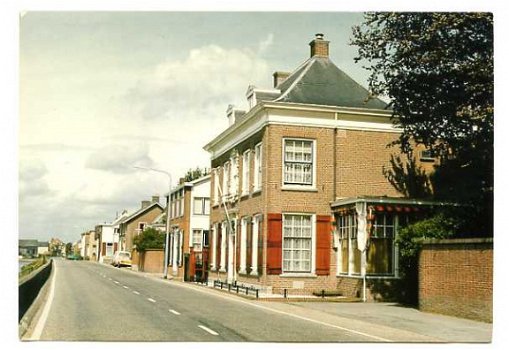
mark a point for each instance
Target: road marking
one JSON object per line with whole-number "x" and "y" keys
{"x": 36, "y": 335}
{"x": 126, "y": 287}
{"x": 174, "y": 312}
{"x": 285, "y": 313}
{"x": 206, "y": 329}
{"x": 135, "y": 292}
{"x": 117, "y": 282}
{"x": 151, "y": 300}
{"x": 109, "y": 278}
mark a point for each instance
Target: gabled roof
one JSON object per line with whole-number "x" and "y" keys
{"x": 28, "y": 243}
{"x": 319, "y": 81}
{"x": 140, "y": 211}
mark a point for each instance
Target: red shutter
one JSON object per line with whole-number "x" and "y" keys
{"x": 274, "y": 243}
{"x": 323, "y": 242}
{"x": 259, "y": 248}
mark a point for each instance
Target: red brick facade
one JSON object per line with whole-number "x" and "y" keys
{"x": 456, "y": 278}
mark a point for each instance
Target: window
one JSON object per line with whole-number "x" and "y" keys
{"x": 258, "y": 168}
{"x": 297, "y": 236}
{"x": 245, "y": 172}
{"x": 201, "y": 206}
{"x": 197, "y": 240}
{"x": 216, "y": 186}
{"x": 380, "y": 252}
{"x": 206, "y": 238}
{"x": 427, "y": 156}
{"x": 298, "y": 162}
{"x": 234, "y": 173}
{"x": 226, "y": 180}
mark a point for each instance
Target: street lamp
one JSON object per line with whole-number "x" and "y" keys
{"x": 167, "y": 238}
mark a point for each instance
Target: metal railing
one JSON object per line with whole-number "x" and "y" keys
{"x": 237, "y": 288}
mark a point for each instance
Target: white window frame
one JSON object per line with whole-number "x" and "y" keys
{"x": 254, "y": 244}
{"x": 312, "y": 262}
{"x": 226, "y": 180}
{"x": 298, "y": 186}
{"x": 234, "y": 177}
{"x": 257, "y": 183}
{"x": 246, "y": 165}
{"x": 204, "y": 206}
{"x": 243, "y": 244}
{"x": 193, "y": 242}
{"x": 213, "y": 247}
{"x": 216, "y": 186}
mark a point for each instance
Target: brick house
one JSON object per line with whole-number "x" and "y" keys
{"x": 298, "y": 172}
{"x": 132, "y": 225}
{"x": 189, "y": 229}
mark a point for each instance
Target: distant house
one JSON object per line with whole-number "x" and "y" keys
{"x": 299, "y": 177}
{"x": 189, "y": 229}
{"x": 132, "y": 225}
{"x": 28, "y": 248}
{"x": 108, "y": 236}
{"x": 43, "y": 248}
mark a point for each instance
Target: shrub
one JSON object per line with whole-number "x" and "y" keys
{"x": 149, "y": 239}
{"x": 409, "y": 241}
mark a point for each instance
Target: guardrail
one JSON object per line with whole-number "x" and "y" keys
{"x": 235, "y": 287}
{"x": 30, "y": 286}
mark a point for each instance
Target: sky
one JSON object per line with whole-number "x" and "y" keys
{"x": 102, "y": 92}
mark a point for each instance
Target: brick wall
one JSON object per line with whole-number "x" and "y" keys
{"x": 152, "y": 260}
{"x": 456, "y": 278}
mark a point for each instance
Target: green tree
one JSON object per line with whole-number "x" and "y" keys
{"x": 193, "y": 174}
{"x": 437, "y": 71}
{"x": 149, "y": 239}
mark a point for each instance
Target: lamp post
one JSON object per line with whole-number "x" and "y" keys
{"x": 167, "y": 238}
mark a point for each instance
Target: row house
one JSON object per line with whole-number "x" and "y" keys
{"x": 108, "y": 237}
{"x": 88, "y": 246}
{"x": 133, "y": 225}
{"x": 297, "y": 177}
{"x": 189, "y": 229}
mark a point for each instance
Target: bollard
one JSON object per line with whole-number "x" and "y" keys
{"x": 323, "y": 293}
{"x": 285, "y": 293}
{"x": 237, "y": 289}
{"x": 229, "y": 287}
{"x": 257, "y": 294}
{"x": 247, "y": 291}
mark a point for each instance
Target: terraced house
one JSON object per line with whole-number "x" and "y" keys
{"x": 295, "y": 176}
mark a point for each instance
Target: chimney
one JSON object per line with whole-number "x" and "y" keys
{"x": 279, "y": 77}
{"x": 144, "y": 204}
{"x": 319, "y": 47}
{"x": 230, "y": 113}
{"x": 155, "y": 199}
{"x": 182, "y": 180}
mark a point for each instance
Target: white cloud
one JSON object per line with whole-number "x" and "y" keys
{"x": 119, "y": 158}
{"x": 264, "y": 45}
{"x": 210, "y": 76}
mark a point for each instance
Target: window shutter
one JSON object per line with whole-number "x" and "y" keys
{"x": 274, "y": 243}
{"x": 249, "y": 249}
{"x": 103, "y": 250}
{"x": 323, "y": 240}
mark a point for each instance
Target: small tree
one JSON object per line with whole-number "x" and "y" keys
{"x": 149, "y": 239}
{"x": 195, "y": 174}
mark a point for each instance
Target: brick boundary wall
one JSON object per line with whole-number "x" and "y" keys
{"x": 456, "y": 278}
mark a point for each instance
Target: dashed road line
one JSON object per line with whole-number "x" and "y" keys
{"x": 135, "y": 292}
{"x": 126, "y": 287}
{"x": 151, "y": 300}
{"x": 206, "y": 329}
{"x": 174, "y": 312}
{"x": 117, "y": 282}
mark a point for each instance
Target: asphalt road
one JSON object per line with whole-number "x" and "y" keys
{"x": 93, "y": 302}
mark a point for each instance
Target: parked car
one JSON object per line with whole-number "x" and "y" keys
{"x": 121, "y": 258}
{"x": 74, "y": 257}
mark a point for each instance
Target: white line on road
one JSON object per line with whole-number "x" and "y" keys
{"x": 151, "y": 300}
{"x": 174, "y": 312}
{"x": 206, "y": 329}
{"x": 117, "y": 282}
{"x": 126, "y": 287}
{"x": 227, "y": 297}
{"x": 135, "y": 292}
{"x": 109, "y": 278}
{"x": 36, "y": 335}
